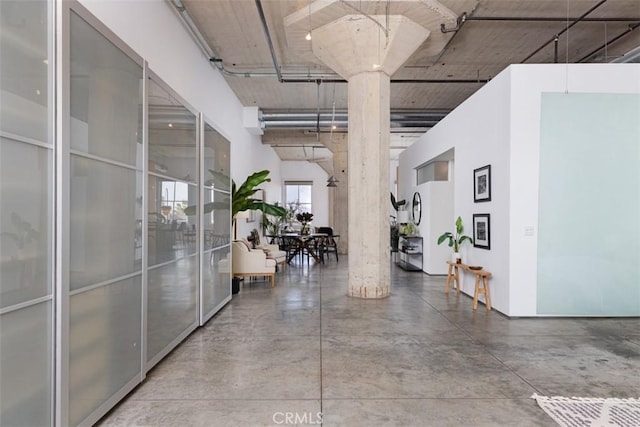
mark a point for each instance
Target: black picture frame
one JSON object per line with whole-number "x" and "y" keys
{"x": 482, "y": 184}
{"x": 482, "y": 231}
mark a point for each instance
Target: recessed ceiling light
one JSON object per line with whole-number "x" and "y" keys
{"x": 308, "y": 36}
{"x": 170, "y": 125}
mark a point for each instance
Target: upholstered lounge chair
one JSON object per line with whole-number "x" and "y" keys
{"x": 273, "y": 251}
{"x": 252, "y": 262}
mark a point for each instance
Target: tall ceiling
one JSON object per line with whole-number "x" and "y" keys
{"x": 247, "y": 40}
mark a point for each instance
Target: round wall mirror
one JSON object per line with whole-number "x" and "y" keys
{"x": 417, "y": 208}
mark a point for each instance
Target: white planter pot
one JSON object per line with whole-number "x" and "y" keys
{"x": 456, "y": 257}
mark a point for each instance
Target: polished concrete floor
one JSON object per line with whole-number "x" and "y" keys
{"x": 305, "y": 353}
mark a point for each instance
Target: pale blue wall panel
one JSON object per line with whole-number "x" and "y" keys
{"x": 589, "y": 205}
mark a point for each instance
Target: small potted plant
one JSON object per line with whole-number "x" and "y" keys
{"x": 455, "y": 240}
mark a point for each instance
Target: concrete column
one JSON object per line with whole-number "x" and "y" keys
{"x": 366, "y": 49}
{"x": 340, "y": 194}
{"x": 369, "y": 185}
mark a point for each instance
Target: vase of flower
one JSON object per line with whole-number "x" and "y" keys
{"x": 304, "y": 219}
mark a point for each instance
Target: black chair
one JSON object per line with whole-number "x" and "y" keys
{"x": 330, "y": 242}
{"x": 291, "y": 245}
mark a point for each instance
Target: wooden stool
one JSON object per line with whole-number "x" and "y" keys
{"x": 456, "y": 278}
{"x": 482, "y": 276}
{"x": 484, "y": 290}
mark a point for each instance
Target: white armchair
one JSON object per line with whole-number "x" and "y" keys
{"x": 252, "y": 262}
{"x": 273, "y": 251}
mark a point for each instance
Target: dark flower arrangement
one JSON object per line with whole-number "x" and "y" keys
{"x": 304, "y": 218}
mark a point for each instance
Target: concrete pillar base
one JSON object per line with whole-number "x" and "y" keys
{"x": 369, "y": 292}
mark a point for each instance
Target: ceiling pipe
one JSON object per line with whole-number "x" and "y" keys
{"x": 633, "y": 56}
{"x": 267, "y": 34}
{"x": 564, "y": 30}
{"x": 314, "y": 124}
{"x": 191, "y": 27}
{"x": 399, "y": 119}
{"x": 339, "y": 114}
{"x": 628, "y": 31}
{"x": 545, "y": 19}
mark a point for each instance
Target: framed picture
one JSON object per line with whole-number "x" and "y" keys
{"x": 481, "y": 231}
{"x": 482, "y": 184}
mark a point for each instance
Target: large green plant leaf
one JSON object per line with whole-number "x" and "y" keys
{"x": 242, "y": 198}
{"x": 208, "y": 207}
{"x": 455, "y": 240}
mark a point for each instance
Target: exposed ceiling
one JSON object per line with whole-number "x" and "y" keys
{"x": 247, "y": 41}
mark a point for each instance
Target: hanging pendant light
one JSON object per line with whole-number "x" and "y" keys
{"x": 331, "y": 182}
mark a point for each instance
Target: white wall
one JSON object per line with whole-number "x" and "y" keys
{"x": 308, "y": 171}
{"x": 154, "y": 31}
{"x": 437, "y": 211}
{"x": 479, "y": 131}
{"x": 500, "y": 125}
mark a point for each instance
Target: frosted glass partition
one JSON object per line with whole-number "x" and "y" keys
{"x": 25, "y": 339}
{"x": 105, "y": 332}
{"x": 26, "y": 215}
{"x": 172, "y": 304}
{"x": 172, "y": 233}
{"x": 26, "y": 172}
{"x": 217, "y": 155}
{"x": 172, "y": 284}
{"x": 216, "y": 272}
{"x": 121, "y": 243}
{"x": 105, "y": 343}
{"x": 216, "y": 279}
{"x": 107, "y": 208}
{"x": 589, "y": 205}
{"x": 105, "y": 97}
{"x": 218, "y": 220}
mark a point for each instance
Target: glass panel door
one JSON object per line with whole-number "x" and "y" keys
{"x": 216, "y": 256}
{"x": 26, "y": 215}
{"x": 105, "y": 265}
{"x": 173, "y": 228}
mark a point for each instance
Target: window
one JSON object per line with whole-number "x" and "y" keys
{"x": 434, "y": 171}
{"x": 297, "y": 194}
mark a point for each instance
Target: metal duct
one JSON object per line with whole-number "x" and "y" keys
{"x": 399, "y": 119}
{"x": 633, "y": 56}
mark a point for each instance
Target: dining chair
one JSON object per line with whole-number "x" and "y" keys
{"x": 330, "y": 242}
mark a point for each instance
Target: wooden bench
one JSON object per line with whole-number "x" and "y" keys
{"x": 482, "y": 276}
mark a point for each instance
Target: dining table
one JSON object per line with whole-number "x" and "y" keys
{"x": 299, "y": 244}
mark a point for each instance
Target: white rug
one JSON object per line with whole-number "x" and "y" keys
{"x": 591, "y": 412}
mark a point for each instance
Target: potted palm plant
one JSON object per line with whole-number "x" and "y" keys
{"x": 242, "y": 199}
{"x": 455, "y": 239}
